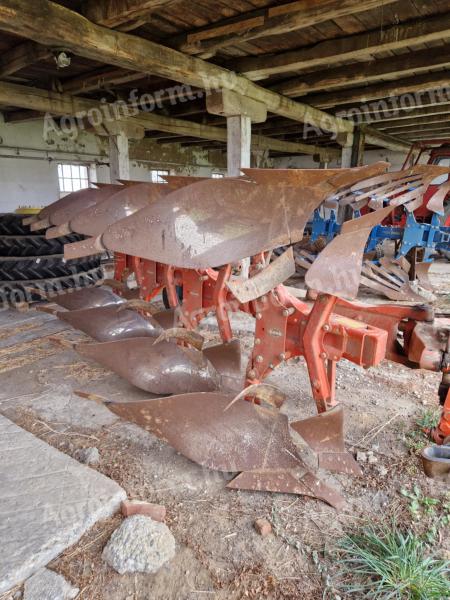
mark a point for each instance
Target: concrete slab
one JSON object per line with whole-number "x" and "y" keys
{"x": 47, "y": 502}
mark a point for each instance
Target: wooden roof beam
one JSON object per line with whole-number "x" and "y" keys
{"x": 416, "y": 86}
{"x": 430, "y": 130}
{"x": 275, "y": 20}
{"x": 428, "y": 119}
{"x": 99, "y": 79}
{"x": 365, "y": 72}
{"x": 54, "y": 25}
{"x": 360, "y": 46}
{"x": 22, "y": 56}
{"x": 124, "y": 14}
{"x": 404, "y": 114}
{"x": 54, "y": 103}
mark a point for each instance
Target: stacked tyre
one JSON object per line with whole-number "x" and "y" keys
{"x": 29, "y": 261}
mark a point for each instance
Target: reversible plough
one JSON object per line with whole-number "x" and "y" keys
{"x": 189, "y": 238}
{"x": 416, "y": 230}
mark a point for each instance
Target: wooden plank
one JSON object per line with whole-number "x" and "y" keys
{"x": 98, "y": 79}
{"x": 54, "y": 103}
{"x": 276, "y": 20}
{"x": 354, "y": 74}
{"x": 115, "y": 13}
{"x": 348, "y": 48}
{"x": 430, "y": 130}
{"x": 21, "y": 56}
{"x": 425, "y": 120}
{"x": 408, "y": 85}
{"x": 407, "y": 113}
{"x": 54, "y": 25}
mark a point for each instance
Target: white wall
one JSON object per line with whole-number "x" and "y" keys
{"x": 29, "y": 162}
{"x": 29, "y": 159}
{"x": 306, "y": 162}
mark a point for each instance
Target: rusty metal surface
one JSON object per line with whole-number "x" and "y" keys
{"x": 93, "y": 297}
{"x": 215, "y": 222}
{"x": 175, "y": 182}
{"x": 227, "y": 361}
{"x": 106, "y": 323}
{"x": 167, "y": 319}
{"x": 389, "y": 280}
{"x": 324, "y": 433}
{"x": 436, "y": 202}
{"x": 87, "y": 247}
{"x": 422, "y": 270}
{"x": 63, "y": 203}
{"x": 436, "y": 462}
{"x": 59, "y": 231}
{"x": 94, "y": 220}
{"x": 275, "y": 273}
{"x": 83, "y": 200}
{"x": 246, "y": 438}
{"x": 338, "y": 178}
{"x": 165, "y": 368}
{"x": 285, "y": 481}
{"x": 337, "y": 270}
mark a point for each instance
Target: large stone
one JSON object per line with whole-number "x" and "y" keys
{"x": 139, "y": 545}
{"x": 47, "y": 502}
{"x": 48, "y": 585}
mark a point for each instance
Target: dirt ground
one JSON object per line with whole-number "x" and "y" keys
{"x": 219, "y": 554}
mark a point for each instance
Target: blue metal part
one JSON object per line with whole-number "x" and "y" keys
{"x": 383, "y": 232}
{"x": 430, "y": 236}
{"x": 322, "y": 227}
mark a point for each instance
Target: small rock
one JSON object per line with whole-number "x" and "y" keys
{"x": 361, "y": 457}
{"x": 263, "y": 527}
{"x": 88, "y": 456}
{"x": 49, "y": 585}
{"x": 139, "y": 545}
{"x": 382, "y": 471}
{"x": 157, "y": 512}
{"x": 371, "y": 458}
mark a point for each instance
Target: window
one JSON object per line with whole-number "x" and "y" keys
{"x": 72, "y": 178}
{"x": 157, "y": 175}
{"x": 217, "y": 175}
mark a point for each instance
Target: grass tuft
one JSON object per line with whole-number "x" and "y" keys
{"x": 385, "y": 563}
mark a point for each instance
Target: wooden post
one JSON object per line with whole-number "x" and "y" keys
{"x": 239, "y": 137}
{"x": 346, "y": 156}
{"x": 239, "y": 111}
{"x": 119, "y": 160}
{"x": 359, "y": 138}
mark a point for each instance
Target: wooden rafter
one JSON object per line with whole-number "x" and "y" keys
{"x": 408, "y": 85}
{"x": 63, "y": 104}
{"x": 348, "y": 48}
{"x": 426, "y": 120}
{"x": 99, "y": 79}
{"x": 21, "y": 56}
{"x": 54, "y": 25}
{"x": 365, "y": 72}
{"x": 122, "y": 13}
{"x": 429, "y": 129}
{"x": 275, "y": 20}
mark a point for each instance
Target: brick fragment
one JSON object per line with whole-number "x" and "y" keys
{"x": 157, "y": 512}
